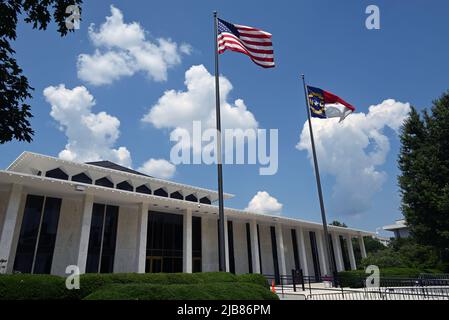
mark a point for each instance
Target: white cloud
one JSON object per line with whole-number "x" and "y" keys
{"x": 176, "y": 110}
{"x": 91, "y": 136}
{"x": 262, "y": 202}
{"x": 158, "y": 168}
{"x": 127, "y": 51}
{"x": 352, "y": 152}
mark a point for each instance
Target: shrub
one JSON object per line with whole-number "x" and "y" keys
{"x": 32, "y": 287}
{"x": 211, "y": 291}
{"x": 27, "y": 286}
{"x": 254, "y": 278}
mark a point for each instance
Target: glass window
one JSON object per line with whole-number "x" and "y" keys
{"x": 231, "y": 247}
{"x": 274, "y": 250}
{"x": 104, "y": 182}
{"x": 47, "y": 236}
{"x": 125, "y": 185}
{"x": 177, "y": 195}
{"x": 205, "y": 200}
{"x": 143, "y": 189}
{"x": 83, "y": 178}
{"x": 248, "y": 245}
{"x": 57, "y": 174}
{"x": 37, "y": 235}
{"x": 102, "y": 239}
{"x": 161, "y": 193}
{"x": 316, "y": 260}
{"x": 191, "y": 198}
{"x": 196, "y": 244}
{"x": 295, "y": 249}
{"x": 164, "y": 242}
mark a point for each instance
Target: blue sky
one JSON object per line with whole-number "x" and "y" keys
{"x": 406, "y": 60}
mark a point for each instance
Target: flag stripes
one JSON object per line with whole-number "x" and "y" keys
{"x": 253, "y": 42}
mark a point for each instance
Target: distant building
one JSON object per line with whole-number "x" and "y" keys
{"x": 400, "y": 229}
{"x": 385, "y": 241}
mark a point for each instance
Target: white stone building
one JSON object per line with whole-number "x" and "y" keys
{"x": 106, "y": 218}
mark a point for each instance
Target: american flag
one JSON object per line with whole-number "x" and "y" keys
{"x": 253, "y": 42}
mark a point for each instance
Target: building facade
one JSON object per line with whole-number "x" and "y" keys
{"x": 105, "y": 218}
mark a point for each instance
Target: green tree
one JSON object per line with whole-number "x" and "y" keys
{"x": 15, "y": 113}
{"x": 424, "y": 179}
{"x": 338, "y": 224}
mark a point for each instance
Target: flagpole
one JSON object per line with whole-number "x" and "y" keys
{"x": 221, "y": 217}
{"x": 318, "y": 183}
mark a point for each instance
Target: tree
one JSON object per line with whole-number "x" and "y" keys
{"x": 15, "y": 113}
{"x": 338, "y": 224}
{"x": 424, "y": 179}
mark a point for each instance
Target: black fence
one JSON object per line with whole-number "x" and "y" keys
{"x": 424, "y": 287}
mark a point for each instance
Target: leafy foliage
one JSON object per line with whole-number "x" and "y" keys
{"x": 338, "y": 224}
{"x": 209, "y": 291}
{"x": 424, "y": 179}
{"x": 214, "y": 285}
{"x": 15, "y": 113}
{"x": 405, "y": 253}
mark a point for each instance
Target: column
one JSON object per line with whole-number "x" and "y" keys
{"x": 362, "y": 247}
{"x": 255, "y": 247}
{"x": 86, "y": 220}
{"x": 142, "y": 229}
{"x": 187, "y": 242}
{"x": 280, "y": 250}
{"x": 226, "y": 235}
{"x": 351, "y": 252}
{"x": 337, "y": 252}
{"x": 322, "y": 253}
{"x": 9, "y": 226}
{"x": 302, "y": 252}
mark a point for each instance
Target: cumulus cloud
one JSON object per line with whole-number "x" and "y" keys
{"x": 262, "y": 202}
{"x": 91, "y": 136}
{"x": 353, "y": 152}
{"x": 158, "y": 168}
{"x": 122, "y": 50}
{"x": 176, "y": 110}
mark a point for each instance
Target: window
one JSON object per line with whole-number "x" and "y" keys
{"x": 102, "y": 239}
{"x": 164, "y": 243}
{"x": 177, "y": 195}
{"x": 231, "y": 247}
{"x": 37, "y": 235}
{"x": 57, "y": 174}
{"x": 205, "y": 200}
{"x": 191, "y": 198}
{"x": 295, "y": 249}
{"x": 196, "y": 244}
{"x": 161, "y": 193}
{"x": 260, "y": 252}
{"x": 104, "y": 182}
{"x": 248, "y": 245}
{"x": 274, "y": 250}
{"x": 125, "y": 185}
{"x": 316, "y": 260}
{"x": 143, "y": 189}
{"x": 83, "y": 178}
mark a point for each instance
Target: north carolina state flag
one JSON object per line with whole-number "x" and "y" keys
{"x": 324, "y": 104}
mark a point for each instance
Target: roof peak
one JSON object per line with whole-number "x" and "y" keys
{"x": 114, "y": 166}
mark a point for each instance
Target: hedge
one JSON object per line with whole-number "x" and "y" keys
{"x": 26, "y": 286}
{"x": 356, "y": 278}
{"x": 32, "y": 287}
{"x": 211, "y": 291}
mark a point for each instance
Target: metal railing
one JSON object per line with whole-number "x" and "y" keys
{"x": 424, "y": 287}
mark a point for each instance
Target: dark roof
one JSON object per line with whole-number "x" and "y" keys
{"x": 114, "y": 166}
